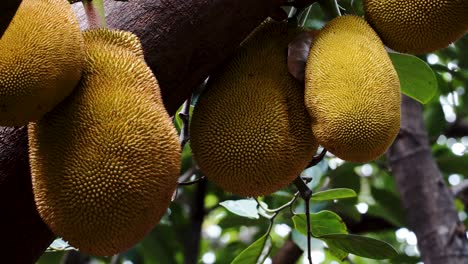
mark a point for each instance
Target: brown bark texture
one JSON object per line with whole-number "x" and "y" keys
{"x": 184, "y": 40}
{"x": 428, "y": 202}
{"x": 7, "y": 12}
{"x": 23, "y": 235}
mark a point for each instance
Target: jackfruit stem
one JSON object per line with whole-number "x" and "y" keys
{"x": 317, "y": 159}
{"x": 330, "y": 7}
{"x": 94, "y": 10}
{"x": 306, "y": 194}
{"x": 185, "y": 117}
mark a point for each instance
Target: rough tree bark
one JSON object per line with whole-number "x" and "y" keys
{"x": 184, "y": 40}
{"x": 23, "y": 235}
{"x": 430, "y": 210}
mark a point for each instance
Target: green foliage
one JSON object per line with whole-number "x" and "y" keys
{"x": 253, "y": 254}
{"x": 417, "y": 80}
{"x": 248, "y": 232}
{"x": 323, "y": 223}
{"x": 333, "y": 194}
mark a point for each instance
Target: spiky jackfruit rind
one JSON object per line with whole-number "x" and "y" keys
{"x": 352, "y": 91}
{"x": 105, "y": 161}
{"x": 417, "y": 26}
{"x": 250, "y": 131}
{"x": 118, "y": 38}
{"x": 41, "y": 59}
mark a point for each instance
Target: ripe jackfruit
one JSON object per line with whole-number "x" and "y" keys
{"x": 352, "y": 91}
{"x": 417, "y": 26}
{"x": 41, "y": 59}
{"x": 118, "y": 38}
{"x": 105, "y": 161}
{"x": 250, "y": 131}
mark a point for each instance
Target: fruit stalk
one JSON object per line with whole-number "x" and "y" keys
{"x": 94, "y": 10}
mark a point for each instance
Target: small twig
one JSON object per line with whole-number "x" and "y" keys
{"x": 279, "y": 209}
{"x": 317, "y": 159}
{"x": 185, "y": 116}
{"x": 306, "y": 194}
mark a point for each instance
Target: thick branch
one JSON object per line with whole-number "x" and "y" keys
{"x": 184, "y": 40}
{"x": 23, "y": 234}
{"x": 428, "y": 202}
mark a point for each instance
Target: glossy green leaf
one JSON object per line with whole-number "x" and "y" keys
{"x": 333, "y": 194}
{"x": 359, "y": 245}
{"x": 253, "y": 253}
{"x": 336, "y": 250}
{"x": 417, "y": 80}
{"x": 322, "y": 223}
{"x": 245, "y": 207}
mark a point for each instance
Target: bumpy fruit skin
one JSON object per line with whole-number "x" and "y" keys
{"x": 352, "y": 91}
{"x": 41, "y": 60}
{"x": 118, "y": 38}
{"x": 105, "y": 161}
{"x": 417, "y": 26}
{"x": 250, "y": 131}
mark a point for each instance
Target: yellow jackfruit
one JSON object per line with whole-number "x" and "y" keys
{"x": 41, "y": 59}
{"x": 250, "y": 131}
{"x": 417, "y": 26}
{"x": 352, "y": 91}
{"x": 119, "y": 38}
{"x": 105, "y": 161}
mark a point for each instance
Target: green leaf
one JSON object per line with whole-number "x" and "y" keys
{"x": 336, "y": 251}
{"x": 388, "y": 206}
{"x": 333, "y": 194}
{"x": 253, "y": 253}
{"x": 245, "y": 207}
{"x": 322, "y": 223}
{"x": 360, "y": 245}
{"x": 417, "y": 80}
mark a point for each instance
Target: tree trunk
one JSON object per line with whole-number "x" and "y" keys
{"x": 428, "y": 202}
{"x": 184, "y": 40}
{"x": 23, "y": 235}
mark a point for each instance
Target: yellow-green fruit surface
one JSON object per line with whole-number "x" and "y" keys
{"x": 417, "y": 26}
{"x": 105, "y": 161}
{"x": 250, "y": 131}
{"x": 119, "y": 38}
{"x": 352, "y": 91}
{"x": 41, "y": 59}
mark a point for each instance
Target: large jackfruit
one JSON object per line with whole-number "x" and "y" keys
{"x": 418, "y": 26}
{"x": 105, "y": 161}
{"x": 41, "y": 59}
{"x": 352, "y": 91}
{"x": 250, "y": 131}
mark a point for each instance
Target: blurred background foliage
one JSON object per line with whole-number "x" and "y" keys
{"x": 375, "y": 212}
